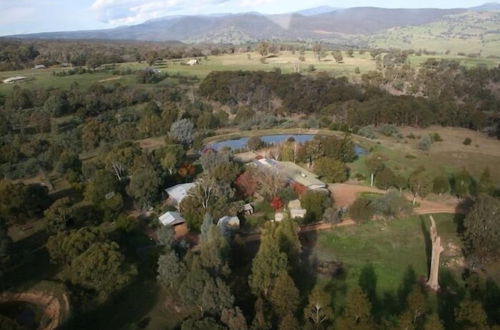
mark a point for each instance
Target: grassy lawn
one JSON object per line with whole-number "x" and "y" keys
{"x": 390, "y": 247}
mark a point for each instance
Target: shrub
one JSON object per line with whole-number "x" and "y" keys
{"x": 467, "y": 141}
{"x": 388, "y": 130}
{"x": 367, "y": 132}
{"x": 392, "y": 204}
{"x": 425, "y": 143}
{"x": 436, "y": 137}
{"x": 361, "y": 210}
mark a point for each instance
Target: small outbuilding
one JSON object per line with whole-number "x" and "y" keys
{"x": 13, "y": 80}
{"x": 193, "y": 61}
{"x": 296, "y": 210}
{"x": 39, "y": 67}
{"x": 247, "y": 209}
{"x": 171, "y": 219}
{"x": 177, "y": 193}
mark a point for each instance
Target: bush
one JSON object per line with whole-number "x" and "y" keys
{"x": 367, "y": 132}
{"x": 389, "y": 130}
{"x": 392, "y": 204}
{"x": 436, "y": 137}
{"x": 361, "y": 210}
{"x": 467, "y": 141}
{"x": 425, "y": 143}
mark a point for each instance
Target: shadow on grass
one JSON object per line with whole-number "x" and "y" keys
{"x": 127, "y": 309}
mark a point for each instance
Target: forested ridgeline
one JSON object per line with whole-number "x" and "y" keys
{"x": 438, "y": 93}
{"x": 17, "y": 54}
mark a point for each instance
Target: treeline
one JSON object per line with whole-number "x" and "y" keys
{"x": 23, "y": 54}
{"x": 446, "y": 95}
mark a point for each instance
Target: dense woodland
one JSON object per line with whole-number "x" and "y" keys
{"x": 88, "y": 139}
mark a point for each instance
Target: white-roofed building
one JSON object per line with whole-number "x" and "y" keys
{"x": 171, "y": 218}
{"x": 296, "y": 210}
{"x": 177, "y": 193}
{"x": 15, "y": 79}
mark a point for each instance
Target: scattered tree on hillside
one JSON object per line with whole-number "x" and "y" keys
{"x": 331, "y": 170}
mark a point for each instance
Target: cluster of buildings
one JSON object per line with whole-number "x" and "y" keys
{"x": 290, "y": 171}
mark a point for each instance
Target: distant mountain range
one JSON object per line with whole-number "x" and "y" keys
{"x": 321, "y": 23}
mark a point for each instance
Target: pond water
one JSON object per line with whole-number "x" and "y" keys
{"x": 241, "y": 143}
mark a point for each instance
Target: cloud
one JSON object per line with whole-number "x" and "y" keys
{"x": 253, "y": 3}
{"x": 135, "y": 11}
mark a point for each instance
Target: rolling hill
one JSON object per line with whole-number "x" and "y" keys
{"x": 361, "y": 26}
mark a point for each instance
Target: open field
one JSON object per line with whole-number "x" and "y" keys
{"x": 471, "y": 32}
{"x": 286, "y": 61}
{"x": 391, "y": 247}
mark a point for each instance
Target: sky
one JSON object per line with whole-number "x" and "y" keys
{"x": 30, "y": 16}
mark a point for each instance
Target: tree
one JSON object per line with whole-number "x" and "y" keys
{"x": 289, "y": 241}
{"x": 486, "y": 184}
{"x": 57, "y": 105}
{"x": 375, "y": 164}
{"x": 59, "y": 214}
{"x": 234, "y": 319}
{"x": 318, "y": 311}
{"x": 441, "y": 184}
{"x": 101, "y": 268}
{"x": 64, "y": 247}
{"x": 420, "y": 183}
{"x": 170, "y": 269}
{"x": 462, "y": 183}
{"x": 182, "y": 131}
{"x": 5, "y": 245}
{"x": 99, "y": 186}
{"x": 361, "y": 210}
{"x": 417, "y": 307}
{"x": 208, "y": 222}
{"x": 471, "y": 315}
{"x": 386, "y": 179}
{"x": 268, "y": 264}
{"x": 482, "y": 227}
{"x": 216, "y": 297}
{"x": 433, "y": 323}
{"x": 284, "y": 295}
{"x": 289, "y": 322}
{"x": 357, "y": 313}
{"x": 246, "y": 183}
{"x": 144, "y": 185}
{"x": 263, "y": 48}
{"x": 337, "y": 55}
{"x": 277, "y": 204}
{"x": 315, "y": 203}
{"x": 317, "y": 50}
{"x": 392, "y": 204}
{"x": 204, "y": 323}
{"x": 255, "y": 143}
{"x": 331, "y": 170}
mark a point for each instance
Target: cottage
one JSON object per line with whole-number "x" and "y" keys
{"x": 13, "y": 80}
{"x": 177, "y": 193}
{"x": 296, "y": 210}
{"x": 171, "y": 219}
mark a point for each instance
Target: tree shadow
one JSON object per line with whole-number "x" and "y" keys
{"x": 449, "y": 298}
{"x": 427, "y": 242}
{"x": 368, "y": 282}
{"x": 409, "y": 281}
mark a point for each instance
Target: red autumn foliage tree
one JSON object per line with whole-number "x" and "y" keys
{"x": 246, "y": 184}
{"x": 187, "y": 170}
{"x": 299, "y": 189}
{"x": 277, "y": 204}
